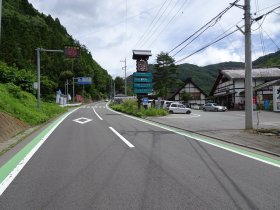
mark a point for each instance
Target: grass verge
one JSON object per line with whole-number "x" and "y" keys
{"x": 23, "y": 105}
{"x": 130, "y": 107}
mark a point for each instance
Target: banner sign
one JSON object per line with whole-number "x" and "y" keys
{"x": 276, "y": 98}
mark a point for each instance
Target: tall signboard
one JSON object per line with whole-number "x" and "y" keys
{"x": 276, "y": 98}
{"x": 142, "y": 79}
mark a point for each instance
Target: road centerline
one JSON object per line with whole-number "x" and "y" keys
{"x": 97, "y": 114}
{"x": 122, "y": 138}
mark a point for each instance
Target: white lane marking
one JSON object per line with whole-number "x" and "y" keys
{"x": 183, "y": 117}
{"x": 241, "y": 115}
{"x": 122, "y": 138}
{"x": 97, "y": 114}
{"x": 270, "y": 123}
{"x": 8, "y": 180}
{"x": 198, "y": 138}
{"x": 82, "y": 120}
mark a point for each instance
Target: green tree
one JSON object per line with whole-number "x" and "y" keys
{"x": 165, "y": 76}
{"x": 186, "y": 97}
{"x": 119, "y": 85}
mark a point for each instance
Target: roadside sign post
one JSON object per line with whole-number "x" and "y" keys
{"x": 142, "y": 79}
{"x": 69, "y": 51}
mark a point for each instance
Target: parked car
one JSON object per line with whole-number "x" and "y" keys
{"x": 178, "y": 108}
{"x": 165, "y": 104}
{"x": 195, "y": 106}
{"x": 214, "y": 107}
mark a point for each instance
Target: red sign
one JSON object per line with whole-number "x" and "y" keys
{"x": 72, "y": 51}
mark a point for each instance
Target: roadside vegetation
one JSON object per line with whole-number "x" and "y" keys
{"x": 23, "y": 105}
{"x": 130, "y": 107}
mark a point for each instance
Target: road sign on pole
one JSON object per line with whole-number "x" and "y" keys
{"x": 84, "y": 80}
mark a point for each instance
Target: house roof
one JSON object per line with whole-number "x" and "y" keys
{"x": 188, "y": 80}
{"x": 264, "y": 85}
{"x": 232, "y": 74}
{"x": 256, "y": 73}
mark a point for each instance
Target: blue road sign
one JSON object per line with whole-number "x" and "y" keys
{"x": 84, "y": 80}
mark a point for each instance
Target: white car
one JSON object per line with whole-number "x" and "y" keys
{"x": 178, "y": 108}
{"x": 214, "y": 107}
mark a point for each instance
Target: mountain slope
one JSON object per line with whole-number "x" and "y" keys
{"x": 24, "y": 29}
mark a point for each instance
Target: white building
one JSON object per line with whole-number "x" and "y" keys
{"x": 228, "y": 89}
{"x": 198, "y": 95}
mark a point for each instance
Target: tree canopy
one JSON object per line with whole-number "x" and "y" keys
{"x": 165, "y": 75}
{"x": 24, "y": 29}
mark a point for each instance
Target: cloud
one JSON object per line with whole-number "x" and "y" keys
{"x": 111, "y": 32}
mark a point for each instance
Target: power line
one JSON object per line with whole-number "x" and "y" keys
{"x": 155, "y": 29}
{"x": 174, "y": 16}
{"x": 208, "y": 45}
{"x": 152, "y": 28}
{"x": 215, "y": 19}
{"x": 151, "y": 23}
{"x": 278, "y": 48}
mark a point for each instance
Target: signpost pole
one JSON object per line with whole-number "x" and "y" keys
{"x": 38, "y": 78}
{"x": 73, "y": 89}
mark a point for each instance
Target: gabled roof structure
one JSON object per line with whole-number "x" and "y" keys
{"x": 231, "y": 74}
{"x": 188, "y": 80}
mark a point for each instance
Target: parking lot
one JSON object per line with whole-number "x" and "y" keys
{"x": 201, "y": 121}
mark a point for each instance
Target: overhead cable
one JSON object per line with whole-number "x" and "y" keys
{"x": 213, "y": 20}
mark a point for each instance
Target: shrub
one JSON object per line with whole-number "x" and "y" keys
{"x": 131, "y": 107}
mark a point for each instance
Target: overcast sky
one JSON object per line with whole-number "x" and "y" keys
{"x": 111, "y": 29}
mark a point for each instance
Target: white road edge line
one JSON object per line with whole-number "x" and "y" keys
{"x": 195, "y": 138}
{"x": 8, "y": 180}
{"x": 122, "y": 138}
{"x": 97, "y": 114}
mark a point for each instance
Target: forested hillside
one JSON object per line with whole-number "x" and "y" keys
{"x": 272, "y": 59}
{"x": 24, "y": 29}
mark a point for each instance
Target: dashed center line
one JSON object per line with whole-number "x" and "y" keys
{"x": 122, "y": 138}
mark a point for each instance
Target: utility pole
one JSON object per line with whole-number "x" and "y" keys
{"x": 125, "y": 91}
{"x": 248, "y": 68}
{"x": 114, "y": 89}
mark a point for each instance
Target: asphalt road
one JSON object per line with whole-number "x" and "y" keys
{"x": 92, "y": 166}
{"x": 201, "y": 121}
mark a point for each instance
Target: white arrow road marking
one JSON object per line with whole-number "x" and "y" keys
{"x": 122, "y": 138}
